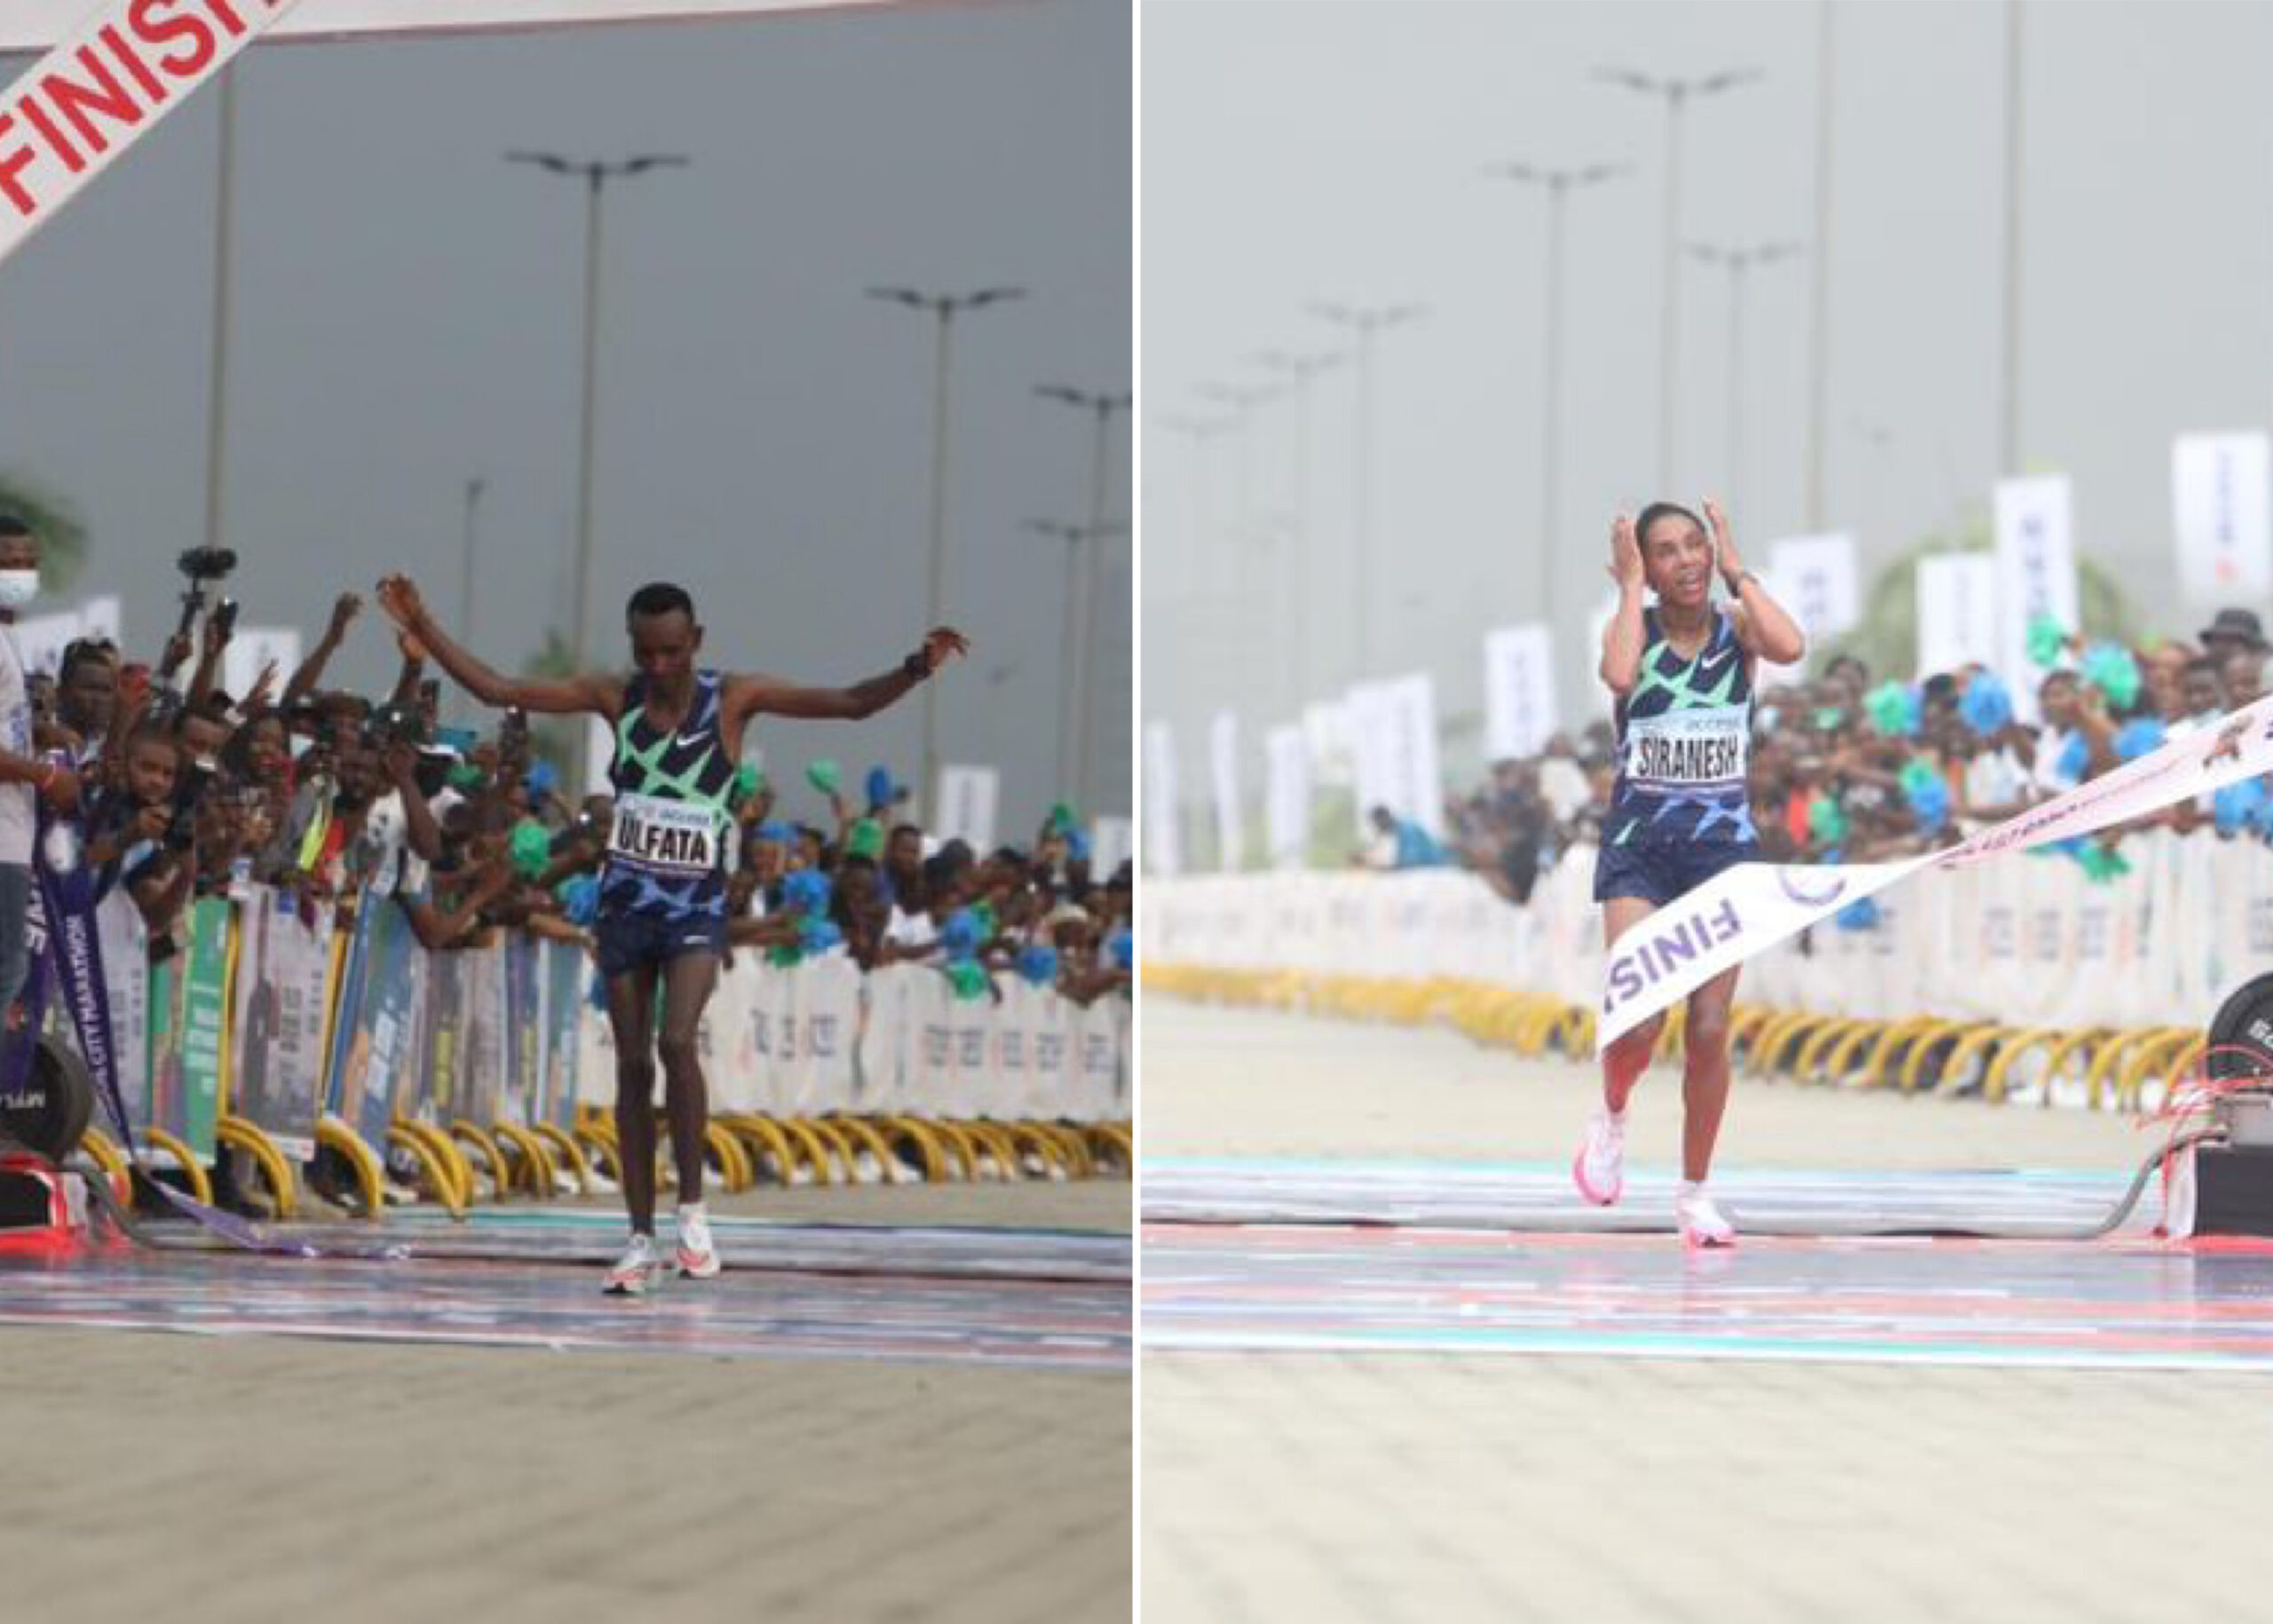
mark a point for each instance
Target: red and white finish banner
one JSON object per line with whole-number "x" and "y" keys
{"x": 36, "y": 25}
{"x": 128, "y": 62}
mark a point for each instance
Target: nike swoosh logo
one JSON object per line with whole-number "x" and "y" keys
{"x": 1706, "y": 665}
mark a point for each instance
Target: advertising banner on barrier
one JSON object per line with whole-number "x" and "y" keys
{"x": 524, "y": 1029}
{"x": 1163, "y": 851}
{"x": 276, "y": 1066}
{"x": 1518, "y": 690}
{"x": 1957, "y": 612}
{"x": 35, "y": 25}
{"x": 2222, "y": 516}
{"x": 1752, "y": 906}
{"x": 375, "y": 1030}
{"x": 1287, "y": 803}
{"x": 2036, "y": 576}
{"x": 1224, "y": 780}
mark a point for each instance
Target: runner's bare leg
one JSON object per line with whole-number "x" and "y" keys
{"x": 1705, "y": 1072}
{"x": 688, "y": 981}
{"x": 631, "y": 1015}
{"x": 1627, "y": 1058}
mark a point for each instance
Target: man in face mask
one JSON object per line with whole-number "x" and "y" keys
{"x": 24, "y": 777}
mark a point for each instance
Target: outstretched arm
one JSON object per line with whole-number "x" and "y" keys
{"x": 752, "y": 696}
{"x": 600, "y": 695}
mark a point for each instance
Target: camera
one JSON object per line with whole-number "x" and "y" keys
{"x": 202, "y": 565}
{"x": 225, "y": 617}
{"x": 394, "y": 723}
{"x": 182, "y": 831}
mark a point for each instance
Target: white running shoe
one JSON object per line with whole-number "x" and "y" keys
{"x": 698, "y": 1259}
{"x": 1701, "y": 1222}
{"x": 1600, "y": 1169}
{"x": 634, "y": 1271}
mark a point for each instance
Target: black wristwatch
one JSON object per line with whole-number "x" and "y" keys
{"x": 916, "y": 667}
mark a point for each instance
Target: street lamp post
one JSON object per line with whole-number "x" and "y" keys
{"x": 1102, "y": 407}
{"x": 1739, "y": 260}
{"x": 1675, "y": 94}
{"x": 473, "y": 490}
{"x": 1367, "y": 322}
{"x": 1560, "y": 183}
{"x": 943, "y": 308}
{"x": 1072, "y": 650}
{"x": 595, "y": 173}
{"x": 1298, "y": 370}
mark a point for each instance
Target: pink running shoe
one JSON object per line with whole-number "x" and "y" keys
{"x": 1702, "y": 1223}
{"x": 1600, "y": 1169}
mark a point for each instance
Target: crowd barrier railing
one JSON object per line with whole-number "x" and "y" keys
{"x": 487, "y": 1072}
{"x": 2020, "y": 978}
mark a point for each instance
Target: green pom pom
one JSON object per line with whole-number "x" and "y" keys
{"x": 2110, "y": 667}
{"x": 465, "y": 775}
{"x": 823, "y": 775}
{"x": 747, "y": 782}
{"x": 2045, "y": 639}
{"x": 1887, "y": 706}
{"x": 1917, "y": 772}
{"x": 1829, "y": 717}
{"x": 1827, "y": 820}
{"x": 984, "y": 912}
{"x": 1062, "y": 817}
{"x": 968, "y": 978}
{"x": 865, "y": 838}
{"x": 531, "y": 848}
{"x": 783, "y": 955}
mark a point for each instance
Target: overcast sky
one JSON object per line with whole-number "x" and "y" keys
{"x": 1299, "y": 151}
{"x": 409, "y": 317}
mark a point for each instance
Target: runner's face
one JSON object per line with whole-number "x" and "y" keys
{"x": 664, "y": 648}
{"x": 1677, "y": 560}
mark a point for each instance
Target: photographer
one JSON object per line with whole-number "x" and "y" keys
{"x": 23, "y": 777}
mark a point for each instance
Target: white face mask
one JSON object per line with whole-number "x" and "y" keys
{"x": 17, "y": 587}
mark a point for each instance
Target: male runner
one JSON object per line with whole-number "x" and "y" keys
{"x": 1680, "y": 676}
{"x": 661, "y": 922}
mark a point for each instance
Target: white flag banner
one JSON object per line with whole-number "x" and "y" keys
{"x": 968, "y": 796}
{"x": 2036, "y": 576}
{"x": 2220, "y": 502}
{"x": 1163, "y": 851}
{"x": 33, "y": 25}
{"x": 114, "y": 70}
{"x": 99, "y": 617}
{"x": 1818, "y": 582}
{"x": 599, "y": 756}
{"x": 1373, "y": 752}
{"x": 1754, "y": 906}
{"x": 1112, "y": 841}
{"x": 1326, "y": 729}
{"x": 1957, "y": 611}
{"x": 1224, "y": 770}
{"x": 1417, "y": 781}
{"x": 1518, "y": 690}
{"x": 42, "y": 638}
{"x": 1287, "y": 805}
{"x": 253, "y": 647}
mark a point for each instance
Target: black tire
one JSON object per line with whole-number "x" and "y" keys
{"x": 2241, "y": 1034}
{"x": 51, "y": 1114}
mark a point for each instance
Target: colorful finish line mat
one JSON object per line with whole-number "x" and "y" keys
{"x": 1425, "y": 1286}
{"x": 1537, "y": 1196}
{"x": 814, "y": 1292}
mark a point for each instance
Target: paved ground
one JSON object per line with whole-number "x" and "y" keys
{"x": 257, "y": 1478}
{"x": 1430, "y": 1486}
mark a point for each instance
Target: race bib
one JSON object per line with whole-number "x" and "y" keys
{"x": 1703, "y": 748}
{"x": 669, "y": 836}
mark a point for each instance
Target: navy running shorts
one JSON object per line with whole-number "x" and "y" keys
{"x": 626, "y": 941}
{"x": 1657, "y": 873}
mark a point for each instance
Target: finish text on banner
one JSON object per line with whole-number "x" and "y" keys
{"x": 128, "y": 64}
{"x": 1754, "y": 906}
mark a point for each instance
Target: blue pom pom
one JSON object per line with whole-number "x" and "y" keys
{"x": 773, "y": 829}
{"x": 1077, "y": 846}
{"x": 2075, "y": 758}
{"x": 581, "y": 897}
{"x": 1038, "y": 964}
{"x": 1985, "y": 705}
{"x": 879, "y": 786}
{"x": 2237, "y": 807}
{"x": 959, "y": 937}
{"x": 541, "y": 778}
{"x": 1860, "y": 914}
{"x": 806, "y": 890}
{"x": 1122, "y": 946}
{"x": 1929, "y": 802}
{"x": 2138, "y": 737}
{"x": 819, "y": 935}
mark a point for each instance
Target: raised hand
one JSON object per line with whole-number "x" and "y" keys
{"x": 1724, "y": 544}
{"x": 413, "y": 650}
{"x": 1625, "y": 554}
{"x": 399, "y": 597}
{"x": 344, "y": 613}
{"x": 942, "y": 642}
{"x": 258, "y": 697}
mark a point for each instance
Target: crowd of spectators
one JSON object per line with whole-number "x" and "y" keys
{"x": 1847, "y": 767}
{"x": 182, "y": 789}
